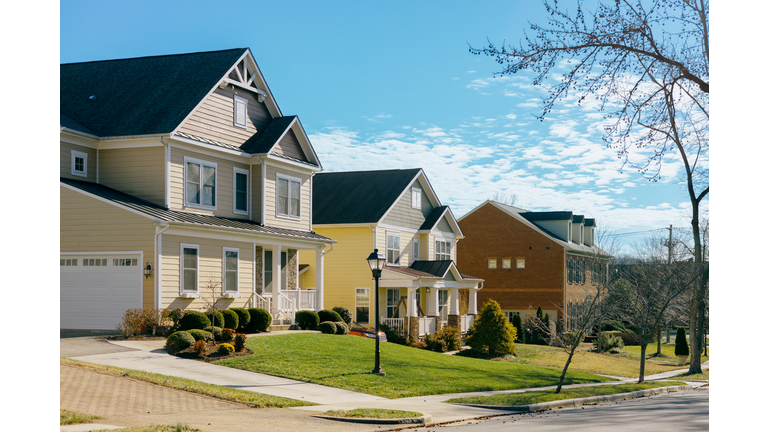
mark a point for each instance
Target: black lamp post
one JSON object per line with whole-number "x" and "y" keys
{"x": 376, "y": 261}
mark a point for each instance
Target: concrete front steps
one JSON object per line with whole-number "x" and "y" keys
{"x": 281, "y": 327}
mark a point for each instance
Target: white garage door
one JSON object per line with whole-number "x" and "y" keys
{"x": 97, "y": 289}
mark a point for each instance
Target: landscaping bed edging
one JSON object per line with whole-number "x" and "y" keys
{"x": 425, "y": 419}
{"x": 568, "y": 403}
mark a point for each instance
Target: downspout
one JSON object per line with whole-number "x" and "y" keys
{"x": 263, "y": 190}
{"x": 167, "y": 172}
{"x": 97, "y": 168}
{"x": 158, "y": 254}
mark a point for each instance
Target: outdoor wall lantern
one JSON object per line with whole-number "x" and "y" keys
{"x": 376, "y": 261}
{"x": 147, "y": 270}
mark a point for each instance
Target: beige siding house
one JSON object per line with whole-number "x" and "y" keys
{"x": 194, "y": 185}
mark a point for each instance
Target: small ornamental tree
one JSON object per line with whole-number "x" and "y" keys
{"x": 517, "y": 323}
{"x": 681, "y": 345}
{"x": 492, "y": 331}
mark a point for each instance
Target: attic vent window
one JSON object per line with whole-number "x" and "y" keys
{"x": 416, "y": 198}
{"x": 241, "y": 112}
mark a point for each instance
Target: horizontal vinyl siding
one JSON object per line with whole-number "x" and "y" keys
{"x": 136, "y": 171}
{"x": 558, "y": 228}
{"x": 214, "y": 119}
{"x": 65, "y": 163}
{"x": 345, "y": 267}
{"x": 224, "y": 183}
{"x": 402, "y": 214}
{"x": 90, "y": 225}
{"x": 406, "y": 244}
{"x": 271, "y": 201}
{"x": 289, "y": 146}
{"x": 210, "y": 271}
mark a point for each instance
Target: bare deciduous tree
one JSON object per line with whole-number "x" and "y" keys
{"x": 211, "y": 296}
{"x": 647, "y": 62}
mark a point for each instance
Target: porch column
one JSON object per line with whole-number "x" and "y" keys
{"x": 319, "y": 269}
{"x": 453, "y": 309}
{"x": 276, "y": 275}
{"x": 472, "y": 310}
{"x": 431, "y": 309}
{"x": 412, "y": 315}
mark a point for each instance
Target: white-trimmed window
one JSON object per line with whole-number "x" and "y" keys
{"x": 520, "y": 263}
{"x": 241, "y": 112}
{"x": 416, "y": 198}
{"x": 240, "y": 191}
{"x": 79, "y": 163}
{"x": 506, "y": 263}
{"x": 492, "y": 263}
{"x": 124, "y": 262}
{"x": 288, "y": 196}
{"x": 68, "y": 262}
{"x": 230, "y": 271}
{"x": 95, "y": 262}
{"x": 415, "y": 248}
{"x": 393, "y": 248}
{"x": 393, "y": 300}
{"x": 190, "y": 260}
{"x": 362, "y": 306}
{"x": 199, "y": 183}
{"x": 442, "y": 302}
{"x": 443, "y": 250}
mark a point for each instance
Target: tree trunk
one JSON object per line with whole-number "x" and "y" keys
{"x": 658, "y": 342}
{"x": 643, "y": 347}
{"x": 565, "y": 369}
{"x": 697, "y": 305}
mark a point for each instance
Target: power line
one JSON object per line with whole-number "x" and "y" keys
{"x": 635, "y": 232}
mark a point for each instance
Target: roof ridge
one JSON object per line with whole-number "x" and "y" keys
{"x": 153, "y": 56}
{"x": 371, "y": 171}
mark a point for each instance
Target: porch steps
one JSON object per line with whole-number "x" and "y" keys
{"x": 280, "y": 327}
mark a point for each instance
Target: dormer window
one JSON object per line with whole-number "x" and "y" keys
{"x": 79, "y": 163}
{"x": 288, "y": 197}
{"x": 416, "y": 198}
{"x": 241, "y": 112}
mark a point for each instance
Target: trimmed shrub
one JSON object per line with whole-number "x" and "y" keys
{"x": 327, "y": 327}
{"x": 393, "y": 336}
{"x": 344, "y": 313}
{"x": 492, "y": 331}
{"x": 681, "y": 344}
{"x": 608, "y": 340}
{"x": 342, "y": 328}
{"x": 226, "y": 348}
{"x": 243, "y": 317}
{"x": 517, "y": 323}
{"x": 231, "y": 319}
{"x": 199, "y": 347}
{"x": 629, "y": 337}
{"x": 179, "y": 341}
{"x": 435, "y": 344}
{"x": 260, "y": 319}
{"x": 227, "y": 335}
{"x": 240, "y": 341}
{"x": 329, "y": 315}
{"x": 216, "y": 319}
{"x": 200, "y": 335}
{"x": 194, "y": 320}
{"x": 307, "y": 319}
{"x": 215, "y": 331}
{"x": 444, "y": 340}
{"x": 415, "y": 343}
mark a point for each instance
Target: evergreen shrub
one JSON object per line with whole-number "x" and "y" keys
{"x": 492, "y": 332}
{"x": 200, "y": 334}
{"x": 681, "y": 344}
{"x": 217, "y": 319}
{"x": 327, "y": 327}
{"x": 240, "y": 341}
{"x": 342, "y": 328}
{"x": 243, "y": 317}
{"x": 307, "y": 320}
{"x": 329, "y": 315}
{"x": 227, "y": 334}
{"x": 260, "y": 320}
{"x": 231, "y": 320}
{"x": 226, "y": 348}
{"x": 179, "y": 341}
{"x": 194, "y": 320}
{"x": 344, "y": 313}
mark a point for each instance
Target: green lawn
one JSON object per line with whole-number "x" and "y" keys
{"x": 377, "y": 413}
{"x": 666, "y": 349}
{"x": 534, "y": 397}
{"x": 346, "y": 362}
{"x": 67, "y": 417}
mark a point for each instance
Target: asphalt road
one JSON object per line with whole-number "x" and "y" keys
{"x": 683, "y": 411}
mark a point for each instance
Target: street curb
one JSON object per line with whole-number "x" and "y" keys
{"x": 426, "y": 418}
{"x": 568, "y": 403}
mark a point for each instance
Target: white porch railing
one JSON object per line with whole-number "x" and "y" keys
{"x": 262, "y": 302}
{"x": 426, "y": 325}
{"x": 287, "y": 307}
{"x": 466, "y": 322}
{"x": 303, "y": 299}
{"x": 398, "y": 324}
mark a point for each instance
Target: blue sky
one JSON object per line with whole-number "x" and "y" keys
{"x": 392, "y": 85}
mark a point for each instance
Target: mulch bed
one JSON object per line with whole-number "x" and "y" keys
{"x": 211, "y": 353}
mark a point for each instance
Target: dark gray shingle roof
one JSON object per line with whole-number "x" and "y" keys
{"x": 357, "y": 196}
{"x": 140, "y": 96}
{"x": 164, "y": 214}
{"x": 551, "y": 215}
{"x": 433, "y": 217}
{"x": 264, "y": 141}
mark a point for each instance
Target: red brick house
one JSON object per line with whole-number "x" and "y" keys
{"x": 531, "y": 259}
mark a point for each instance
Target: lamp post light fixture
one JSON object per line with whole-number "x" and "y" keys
{"x": 376, "y": 261}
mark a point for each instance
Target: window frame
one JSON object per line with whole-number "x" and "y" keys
{"x": 396, "y": 260}
{"x": 506, "y": 263}
{"x": 518, "y": 262}
{"x": 287, "y": 215}
{"x": 391, "y": 306}
{"x": 235, "y": 101}
{"x": 415, "y": 248}
{"x": 492, "y": 263}
{"x": 416, "y": 194}
{"x": 367, "y": 304}
{"x": 235, "y": 172}
{"x": 201, "y": 163}
{"x": 182, "y": 292}
{"x": 224, "y": 291}
{"x": 449, "y": 246}
{"x": 78, "y": 154}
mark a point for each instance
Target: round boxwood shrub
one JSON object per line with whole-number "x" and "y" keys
{"x": 230, "y": 319}
{"x": 260, "y": 319}
{"x": 179, "y": 341}
{"x": 216, "y": 319}
{"x": 226, "y": 348}
{"x": 681, "y": 344}
{"x": 329, "y": 315}
{"x": 344, "y": 313}
{"x": 327, "y": 327}
{"x": 243, "y": 317}
{"x": 342, "y": 328}
{"x": 193, "y": 320}
{"x": 215, "y": 331}
{"x": 200, "y": 334}
{"x": 307, "y": 319}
